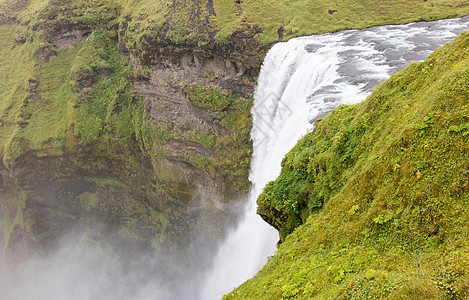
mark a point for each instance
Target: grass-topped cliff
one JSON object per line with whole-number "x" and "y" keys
{"x": 238, "y": 27}
{"x": 374, "y": 203}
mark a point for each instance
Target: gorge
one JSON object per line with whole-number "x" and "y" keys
{"x": 125, "y": 134}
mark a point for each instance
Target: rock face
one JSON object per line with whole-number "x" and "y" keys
{"x": 166, "y": 94}
{"x": 144, "y": 145}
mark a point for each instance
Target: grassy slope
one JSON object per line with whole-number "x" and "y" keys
{"x": 393, "y": 174}
{"x": 56, "y": 118}
{"x": 41, "y": 123}
{"x": 312, "y": 16}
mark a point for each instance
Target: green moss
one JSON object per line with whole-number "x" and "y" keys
{"x": 233, "y": 150}
{"x": 203, "y": 138}
{"x": 292, "y": 18}
{"x": 88, "y": 200}
{"x": 199, "y": 23}
{"x": 319, "y": 16}
{"x": 18, "y": 221}
{"x": 109, "y": 111}
{"x": 156, "y": 241}
{"x": 210, "y": 99}
{"x": 75, "y": 114}
{"x": 382, "y": 191}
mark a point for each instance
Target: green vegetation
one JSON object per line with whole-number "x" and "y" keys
{"x": 319, "y": 16}
{"x": 210, "y": 99}
{"x": 38, "y": 101}
{"x": 108, "y": 111}
{"x": 198, "y": 26}
{"x": 381, "y": 189}
{"x": 68, "y": 118}
{"x": 266, "y": 20}
{"x": 233, "y": 150}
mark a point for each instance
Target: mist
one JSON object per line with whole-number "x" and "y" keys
{"x": 83, "y": 269}
{"x": 90, "y": 264}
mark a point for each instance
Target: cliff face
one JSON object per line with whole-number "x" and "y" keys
{"x": 133, "y": 117}
{"x": 373, "y": 203}
{"x": 146, "y": 145}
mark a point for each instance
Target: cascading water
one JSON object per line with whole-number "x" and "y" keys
{"x": 300, "y": 81}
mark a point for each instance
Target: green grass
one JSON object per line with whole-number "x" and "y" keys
{"x": 195, "y": 24}
{"x": 308, "y": 17}
{"x": 297, "y": 18}
{"x": 47, "y": 129}
{"x": 381, "y": 189}
{"x": 13, "y": 75}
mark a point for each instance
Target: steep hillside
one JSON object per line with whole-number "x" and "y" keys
{"x": 374, "y": 203}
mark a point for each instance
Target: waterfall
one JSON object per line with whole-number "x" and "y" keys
{"x": 300, "y": 81}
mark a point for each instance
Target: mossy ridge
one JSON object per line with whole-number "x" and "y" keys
{"x": 298, "y": 18}
{"x": 280, "y": 20}
{"x": 50, "y": 99}
{"x": 228, "y": 27}
{"x": 393, "y": 175}
{"x": 242, "y": 31}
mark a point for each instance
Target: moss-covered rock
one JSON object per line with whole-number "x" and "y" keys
{"x": 81, "y": 147}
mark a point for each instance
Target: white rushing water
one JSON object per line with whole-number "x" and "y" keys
{"x": 300, "y": 81}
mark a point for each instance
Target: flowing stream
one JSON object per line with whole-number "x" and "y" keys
{"x": 300, "y": 81}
